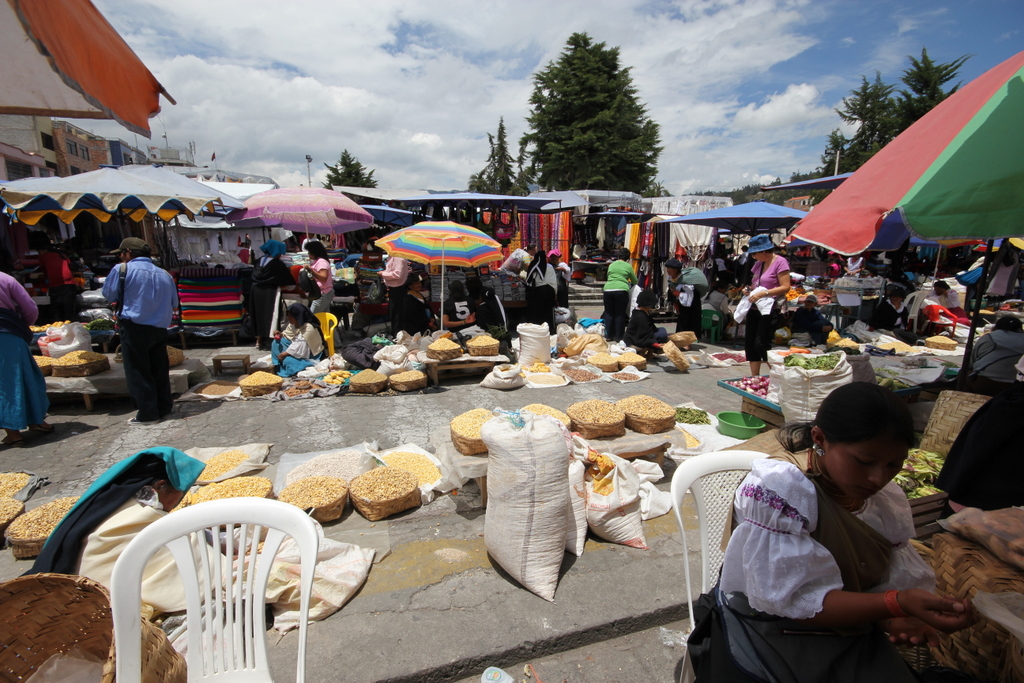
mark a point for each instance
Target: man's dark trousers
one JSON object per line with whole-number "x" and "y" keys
{"x": 144, "y": 352}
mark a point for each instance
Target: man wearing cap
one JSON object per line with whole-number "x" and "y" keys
{"x": 809, "y": 319}
{"x": 687, "y": 288}
{"x": 145, "y": 298}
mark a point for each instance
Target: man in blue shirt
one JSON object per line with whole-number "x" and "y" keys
{"x": 146, "y": 298}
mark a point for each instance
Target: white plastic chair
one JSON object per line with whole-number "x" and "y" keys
{"x": 228, "y": 641}
{"x": 913, "y": 302}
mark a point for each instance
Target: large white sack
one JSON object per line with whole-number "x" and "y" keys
{"x": 534, "y": 344}
{"x": 613, "y": 502}
{"x": 527, "y": 498}
{"x": 801, "y": 391}
{"x": 576, "y": 511}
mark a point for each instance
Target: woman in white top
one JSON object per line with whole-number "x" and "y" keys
{"x": 944, "y": 296}
{"x": 854, "y": 265}
{"x": 300, "y": 345}
{"x": 819, "y": 578}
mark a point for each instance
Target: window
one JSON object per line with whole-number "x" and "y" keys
{"x": 52, "y": 166}
{"x": 47, "y": 140}
{"x": 72, "y": 148}
{"x": 16, "y": 170}
{"x": 84, "y": 152}
{"x": 75, "y": 170}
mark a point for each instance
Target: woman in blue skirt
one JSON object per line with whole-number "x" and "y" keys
{"x": 23, "y": 401}
{"x": 301, "y": 344}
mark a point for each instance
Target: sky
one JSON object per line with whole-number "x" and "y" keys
{"x": 744, "y": 90}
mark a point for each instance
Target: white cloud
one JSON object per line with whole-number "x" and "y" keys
{"x": 797, "y": 105}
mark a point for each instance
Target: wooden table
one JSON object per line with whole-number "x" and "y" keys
{"x": 477, "y": 366}
{"x": 242, "y": 358}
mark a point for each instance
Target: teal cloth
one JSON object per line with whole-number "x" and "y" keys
{"x": 274, "y": 248}
{"x": 182, "y": 470}
{"x": 620, "y": 276}
{"x": 23, "y": 399}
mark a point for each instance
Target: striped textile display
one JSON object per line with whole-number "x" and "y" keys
{"x": 211, "y": 302}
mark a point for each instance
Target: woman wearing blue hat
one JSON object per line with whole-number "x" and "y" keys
{"x": 772, "y": 273}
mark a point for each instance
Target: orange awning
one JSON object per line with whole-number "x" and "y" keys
{"x": 62, "y": 58}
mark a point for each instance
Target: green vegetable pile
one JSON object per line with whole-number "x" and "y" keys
{"x": 921, "y": 468}
{"x": 849, "y": 350}
{"x": 692, "y": 416}
{"x": 99, "y": 324}
{"x": 826, "y": 361}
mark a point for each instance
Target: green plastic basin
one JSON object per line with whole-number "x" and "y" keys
{"x": 739, "y": 425}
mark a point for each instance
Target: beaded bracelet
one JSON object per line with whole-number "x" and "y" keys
{"x": 892, "y": 603}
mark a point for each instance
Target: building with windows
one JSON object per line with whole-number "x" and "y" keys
{"x": 800, "y": 203}
{"x": 29, "y": 146}
{"x": 78, "y": 150}
{"x": 123, "y": 154}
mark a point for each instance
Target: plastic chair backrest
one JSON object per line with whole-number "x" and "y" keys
{"x": 328, "y": 321}
{"x": 229, "y": 635}
{"x": 713, "y": 479}
{"x": 709, "y": 318}
{"x": 913, "y": 302}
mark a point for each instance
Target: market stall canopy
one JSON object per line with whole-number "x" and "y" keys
{"x": 240, "y": 191}
{"x": 956, "y": 173}
{"x": 381, "y": 195}
{"x": 302, "y": 209}
{"x": 827, "y": 183}
{"x": 560, "y": 201}
{"x": 390, "y": 215}
{"x": 62, "y": 58}
{"x": 477, "y": 200}
{"x": 630, "y": 216}
{"x": 134, "y": 191}
{"x": 749, "y": 218}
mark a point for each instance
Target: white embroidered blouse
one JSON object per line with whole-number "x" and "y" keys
{"x": 772, "y": 559}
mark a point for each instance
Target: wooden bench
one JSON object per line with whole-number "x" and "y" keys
{"x": 218, "y": 362}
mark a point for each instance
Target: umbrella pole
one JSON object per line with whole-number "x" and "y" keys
{"x": 441, "y": 310}
{"x": 975, "y": 314}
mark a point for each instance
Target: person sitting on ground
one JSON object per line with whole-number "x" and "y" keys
{"x": 995, "y": 356}
{"x": 300, "y": 345}
{"x": 809, "y": 319}
{"x": 459, "y": 311}
{"x": 641, "y": 332}
{"x": 489, "y": 311}
{"x": 127, "y": 498}
{"x": 417, "y": 315}
{"x": 890, "y": 317}
{"x": 820, "y": 552}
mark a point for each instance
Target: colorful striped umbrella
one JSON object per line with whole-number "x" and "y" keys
{"x": 302, "y": 209}
{"x": 444, "y": 243}
{"x": 957, "y": 173}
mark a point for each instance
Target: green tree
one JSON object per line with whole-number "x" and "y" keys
{"x": 872, "y": 109}
{"x": 588, "y": 128}
{"x": 348, "y": 171}
{"x": 925, "y": 80}
{"x": 500, "y": 175}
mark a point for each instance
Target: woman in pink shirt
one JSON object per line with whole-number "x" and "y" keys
{"x": 771, "y": 272}
{"x": 23, "y": 401}
{"x": 319, "y": 270}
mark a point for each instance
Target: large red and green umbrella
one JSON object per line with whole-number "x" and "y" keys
{"x": 955, "y": 174}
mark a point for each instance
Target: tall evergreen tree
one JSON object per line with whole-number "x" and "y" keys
{"x": 925, "y": 79}
{"x": 499, "y": 176}
{"x": 588, "y": 128}
{"x": 872, "y": 108}
{"x": 348, "y": 171}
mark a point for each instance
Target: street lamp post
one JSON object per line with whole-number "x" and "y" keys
{"x": 309, "y": 178}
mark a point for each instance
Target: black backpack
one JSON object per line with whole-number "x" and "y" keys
{"x": 309, "y": 285}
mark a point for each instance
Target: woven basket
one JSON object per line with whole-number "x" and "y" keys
{"x": 1013, "y": 669}
{"x": 46, "y": 369}
{"x": 17, "y": 507}
{"x": 250, "y": 391}
{"x": 375, "y": 510}
{"x": 647, "y": 425}
{"x": 94, "y": 367}
{"x": 369, "y": 387}
{"x": 963, "y": 568}
{"x": 24, "y": 548}
{"x": 408, "y": 386}
{"x": 602, "y": 430}
{"x": 952, "y": 411}
{"x": 47, "y": 614}
{"x": 682, "y": 339}
{"x": 677, "y": 357}
{"x": 638, "y": 364}
{"x": 175, "y": 356}
{"x": 483, "y": 349}
{"x": 324, "y": 513}
{"x": 467, "y": 445}
{"x": 448, "y": 354}
{"x": 604, "y": 365}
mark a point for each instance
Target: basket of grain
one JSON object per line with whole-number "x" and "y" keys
{"x": 541, "y": 409}
{"x": 604, "y": 362}
{"x": 444, "y": 349}
{"x": 943, "y": 343}
{"x": 28, "y": 533}
{"x": 175, "y": 356}
{"x": 221, "y": 464}
{"x": 630, "y": 358}
{"x": 408, "y": 381}
{"x": 897, "y": 346}
{"x": 647, "y": 415}
{"x": 384, "y": 491}
{"x": 596, "y": 419}
{"x": 677, "y": 357}
{"x": 80, "y": 364}
{"x": 427, "y": 473}
{"x": 260, "y": 384}
{"x": 325, "y": 496}
{"x": 682, "y": 339}
{"x": 9, "y": 509}
{"x": 12, "y": 482}
{"x": 45, "y": 364}
{"x": 465, "y": 431}
{"x": 368, "y": 382}
{"x": 483, "y": 345}
{"x": 236, "y": 487}
{"x": 216, "y": 388}
{"x": 49, "y": 614}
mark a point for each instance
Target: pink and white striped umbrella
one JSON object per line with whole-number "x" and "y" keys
{"x": 302, "y": 209}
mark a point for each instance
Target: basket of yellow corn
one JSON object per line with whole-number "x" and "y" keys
{"x": 939, "y": 342}
{"x": 9, "y": 509}
{"x": 45, "y": 364}
{"x": 325, "y": 496}
{"x": 80, "y": 364}
{"x": 647, "y": 415}
{"x": 236, "y": 487}
{"x": 596, "y": 419}
{"x": 368, "y": 382}
{"x": 465, "y": 431}
{"x": 384, "y": 491}
{"x": 28, "y": 533}
{"x": 541, "y": 409}
{"x": 604, "y": 362}
{"x": 682, "y": 339}
{"x": 444, "y": 349}
{"x": 408, "y": 381}
{"x": 260, "y": 384}
{"x": 630, "y": 358}
{"x": 175, "y": 356}
{"x": 483, "y": 345}
{"x": 677, "y": 357}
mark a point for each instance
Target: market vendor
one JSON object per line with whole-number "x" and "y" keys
{"x": 687, "y": 288}
{"x": 819, "y": 579}
{"x": 61, "y": 286}
{"x": 126, "y": 499}
{"x": 542, "y": 291}
{"x": 944, "y": 296}
{"x": 268, "y": 277}
{"x": 489, "y": 310}
{"x": 891, "y": 317}
{"x": 771, "y": 274}
{"x": 808, "y": 319}
{"x": 417, "y": 316}
{"x": 300, "y": 345}
{"x": 995, "y": 356}
{"x": 641, "y": 332}
{"x": 459, "y": 311}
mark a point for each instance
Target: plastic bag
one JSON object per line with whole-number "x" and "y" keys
{"x": 613, "y": 501}
{"x": 74, "y": 666}
{"x": 564, "y": 334}
{"x": 72, "y": 337}
{"x": 586, "y": 342}
{"x": 863, "y": 333}
{"x": 256, "y": 462}
{"x": 1000, "y": 531}
{"x": 504, "y": 377}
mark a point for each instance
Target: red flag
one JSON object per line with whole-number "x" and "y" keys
{"x": 214, "y": 157}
